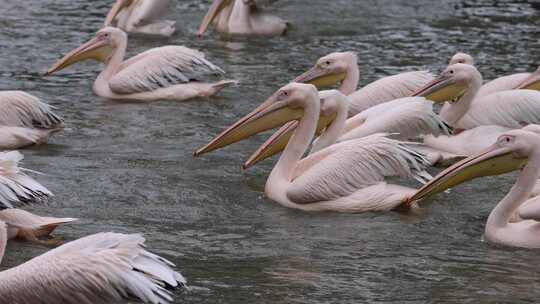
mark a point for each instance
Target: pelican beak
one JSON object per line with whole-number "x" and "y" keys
{"x": 494, "y": 160}
{"x": 532, "y": 82}
{"x": 271, "y": 114}
{"x": 115, "y": 10}
{"x": 320, "y": 77}
{"x": 278, "y": 141}
{"x": 98, "y": 49}
{"x": 216, "y": 7}
{"x": 441, "y": 89}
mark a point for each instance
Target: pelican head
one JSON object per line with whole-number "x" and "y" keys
{"x": 452, "y": 83}
{"x": 214, "y": 10}
{"x": 331, "y": 102}
{"x": 285, "y": 105}
{"x": 461, "y": 58}
{"x": 532, "y": 82}
{"x": 99, "y": 48}
{"x": 329, "y": 70}
{"x": 115, "y": 10}
{"x": 509, "y": 153}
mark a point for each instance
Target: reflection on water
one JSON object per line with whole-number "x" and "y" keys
{"x": 128, "y": 167}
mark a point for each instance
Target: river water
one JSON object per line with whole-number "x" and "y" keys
{"x": 128, "y": 167}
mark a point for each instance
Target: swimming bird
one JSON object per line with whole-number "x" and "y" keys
{"x": 25, "y": 225}
{"x": 403, "y": 119}
{"x": 100, "y": 268}
{"x": 25, "y": 120}
{"x": 168, "y": 72}
{"x": 241, "y": 17}
{"x": 345, "y": 177}
{"x": 528, "y": 81}
{"x": 343, "y": 67}
{"x": 483, "y": 120}
{"x": 513, "y": 150}
{"x": 141, "y": 16}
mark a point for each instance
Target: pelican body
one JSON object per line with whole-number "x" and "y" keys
{"x": 515, "y": 149}
{"x": 168, "y": 72}
{"x": 25, "y": 120}
{"x": 241, "y": 17}
{"x": 141, "y": 16}
{"x": 345, "y": 177}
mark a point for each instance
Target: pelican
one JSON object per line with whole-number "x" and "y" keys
{"x": 25, "y": 120}
{"x": 25, "y": 225}
{"x": 169, "y": 72}
{"x": 485, "y": 118}
{"x": 402, "y": 119}
{"x": 100, "y": 268}
{"x": 513, "y": 149}
{"x": 529, "y": 81}
{"x": 141, "y": 16}
{"x": 345, "y": 177}
{"x": 343, "y": 67}
{"x": 241, "y": 17}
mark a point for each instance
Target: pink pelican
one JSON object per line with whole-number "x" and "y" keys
{"x": 345, "y": 177}
{"x": 25, "y": 225}
{"x": 484, "y": 119}
{"x": 141, "y": 16}
{"x": 343, "y": 67}
{"x": 402, "y": 119}
{"x": 241, "y": 17}
{"x": 513, "y": 150}
{"x": 25, "y": 120}
{"x": 169, "y": 72}
{"x": 100, "y": 268}
{"x": 530, "y": 81}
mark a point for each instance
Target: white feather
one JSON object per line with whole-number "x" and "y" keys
{"x": 160, "y": 68}
{"x": 387, "y": 89}
{"x": 21, "y": 109}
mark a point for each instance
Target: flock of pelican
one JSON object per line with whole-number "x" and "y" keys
{"x": 339, "y": 147}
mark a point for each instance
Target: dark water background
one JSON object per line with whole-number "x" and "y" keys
{"x": 127, "y": 167}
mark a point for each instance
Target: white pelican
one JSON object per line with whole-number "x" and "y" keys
{"x": 25, "y": 225}
{"x": 402, "y": 119}
{"x": 241, "y": 17}
{"x": 345, "y": 177}
{"x": 141, "y": 16}
{"x": 343, "y": 67}
{"x": 530, "y": 81}
{"x": 169, "y": 72}
{"x": 514, "y": 149}
{"x": 100, "y": 268}
{"x": 24, "y": 120}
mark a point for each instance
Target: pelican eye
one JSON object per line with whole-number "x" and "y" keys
{"x": 451, "y": 71}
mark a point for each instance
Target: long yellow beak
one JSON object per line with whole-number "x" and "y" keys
{"x": 269, "y": 115}
{"x": 320, "y": 78}
{"x": 214, "y": 10}
{"x": 493, "y": 161}
{"x": 115, "y": 10}
{"x": 532, "y": 82}
{"x": 279, "y": 140}
{"x": 441, "y": 89}
{"x": 97, "y": 49}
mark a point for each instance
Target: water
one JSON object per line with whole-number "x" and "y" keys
{"x": 127, "y": 167}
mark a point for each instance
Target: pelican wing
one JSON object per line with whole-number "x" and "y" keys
{"x": 20, "y": 109}
{"x": 504, "y": 83}
{"x": 511, "y": 109}
{"x": 98, "y": 269}
{"x": 15, "y": 185}
{"x": 407, "y": 117}
{"x": 346, "y": 167}
{"x": 387, "y": 89}
{"x": 160, "y": 68}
